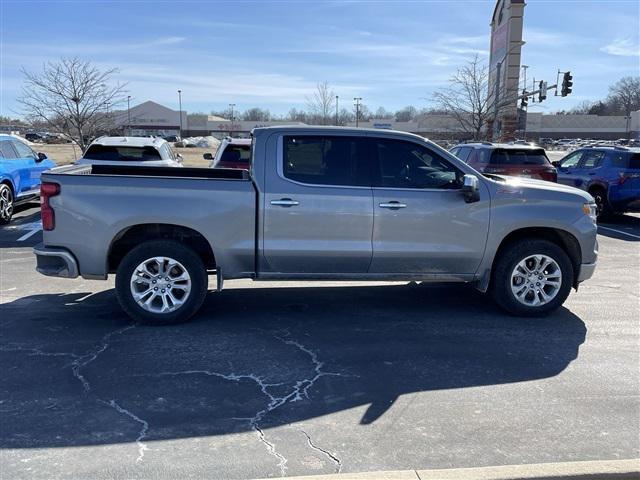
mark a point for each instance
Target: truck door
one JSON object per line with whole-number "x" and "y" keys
{"x": 318, "y": 207}
{"x": 422, "y": 224}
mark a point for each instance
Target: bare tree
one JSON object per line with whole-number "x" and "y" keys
{"x": 626, "y": 93}
{"x": 383, "y": 114}
{"x": 468, "y": 99}
{"x": 407, "y": 114}
{"x": 322, "y": 103}
{"x": 72, "y": 97}
{"x": 256, "y": 114}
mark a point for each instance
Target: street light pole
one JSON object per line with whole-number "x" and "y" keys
{"x": 128, "y": 115}
{"x": 231, "y": 129}
{"x": 180, "y": 107}
{"x": 336, "y": 110}
{"x": 357, "y": 100}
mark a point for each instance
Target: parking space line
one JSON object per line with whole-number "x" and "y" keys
{"x": 620, "y": 231}
{"x": 29, "y": 234}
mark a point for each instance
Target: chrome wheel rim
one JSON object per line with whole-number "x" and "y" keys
{"x": 6, "y": 203}
{"x": 160, "y": 285}
{"x": 536, "y": 280}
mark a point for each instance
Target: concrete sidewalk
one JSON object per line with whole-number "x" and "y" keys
{"x": 595, "y": 470}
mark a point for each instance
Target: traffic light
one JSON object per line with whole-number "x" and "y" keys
{"x": 542, "y": 86}
{"x": 567, "y": 83}
{"x": 524, "y": 101}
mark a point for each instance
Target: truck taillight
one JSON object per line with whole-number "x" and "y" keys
{"x": 48, "y": 190}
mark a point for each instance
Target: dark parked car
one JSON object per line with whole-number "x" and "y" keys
{"x": 507, "y": 159}
{"x": 610, "y": 174}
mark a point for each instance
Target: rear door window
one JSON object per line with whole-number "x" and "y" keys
{"x": 327, "y": 160}
{"x": 592, "y": 159}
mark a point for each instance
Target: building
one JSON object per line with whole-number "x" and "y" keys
{"x": 151, "y": 118}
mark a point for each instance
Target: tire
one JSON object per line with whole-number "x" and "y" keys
{"x": 505, "y": 286}
{"x": 603, "y": 209}
{"x": 6, "y": 203}
{"x": 180, "y": 296}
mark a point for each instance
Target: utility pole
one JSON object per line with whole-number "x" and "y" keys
{"x": 180, "y": 107}
{"x": 357, "y": 100}
{"x": 128, "y": 115}
{"x": 231, "y": 105}
{"x": 336, "y": 110}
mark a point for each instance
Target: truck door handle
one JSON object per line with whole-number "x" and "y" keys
{"x": 393, "y": 204}
{"x": 285, "y": 202}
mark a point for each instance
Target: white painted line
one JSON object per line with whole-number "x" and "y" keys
{"x": 620, "y": 231}
{"x": 29, "y": 234}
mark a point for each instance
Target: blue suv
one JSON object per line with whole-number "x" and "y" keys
{"x": 20, "y": 170}
{"x": 610, "y": 174}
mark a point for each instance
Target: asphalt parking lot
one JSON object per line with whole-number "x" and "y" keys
{"x": 293, "y": 379}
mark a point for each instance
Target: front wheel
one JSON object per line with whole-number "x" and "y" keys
{"x": 532, "y": 278}
{"x": 161, "y": 283}
{"x": 6, "y": 203}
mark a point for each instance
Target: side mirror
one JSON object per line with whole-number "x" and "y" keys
{"x": 207, "y": 156}
{"x": 179, "y": 158}
{"x": 470, "y": 188}
{"x": 556, "y": 163}
{"x": 41, "y": 157}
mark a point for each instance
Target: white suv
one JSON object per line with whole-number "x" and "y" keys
{"x": 137, "y": 151}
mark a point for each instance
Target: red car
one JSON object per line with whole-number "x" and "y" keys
{"x": 507, "y": 159}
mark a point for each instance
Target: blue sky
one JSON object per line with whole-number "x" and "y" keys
{"x": 271, "y": 54}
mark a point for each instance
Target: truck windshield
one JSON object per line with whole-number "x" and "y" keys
{"x": 124, "y": 153}
{"x": 519, "y": 157}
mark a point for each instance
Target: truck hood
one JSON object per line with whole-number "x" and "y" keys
{"x": 514, "y": 184}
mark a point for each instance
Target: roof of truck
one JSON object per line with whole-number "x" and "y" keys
{"x": 323, "y": 128}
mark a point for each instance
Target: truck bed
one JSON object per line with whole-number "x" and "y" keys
{"x": 98, "y": 204}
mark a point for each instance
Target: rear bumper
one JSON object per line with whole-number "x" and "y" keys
{"x": 55, "y": 262}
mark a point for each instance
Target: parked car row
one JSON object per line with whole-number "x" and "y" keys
{"x": 610, "y": 174}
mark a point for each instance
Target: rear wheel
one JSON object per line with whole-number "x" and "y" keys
{"x": 532, "y": 278}
{"x": 6, "y": 203}
{"x": 161, "y": 283}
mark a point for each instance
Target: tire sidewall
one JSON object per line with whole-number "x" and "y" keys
{"x": 166, "y": 248}
{"x": 501, "y": 281}
{"x": 4, "y": 186}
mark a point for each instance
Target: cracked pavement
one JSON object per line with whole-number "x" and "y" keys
{"x": 277, "y": 379}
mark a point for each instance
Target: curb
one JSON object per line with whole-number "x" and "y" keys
{"x": 591, "y": 470}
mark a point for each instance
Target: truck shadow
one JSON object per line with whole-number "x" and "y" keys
{"x": 76, "y": 372}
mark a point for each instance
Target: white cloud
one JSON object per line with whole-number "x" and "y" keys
{"x": 623, "y": 47}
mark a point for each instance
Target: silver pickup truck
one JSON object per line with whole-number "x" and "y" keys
{"x": 317, "y": 203}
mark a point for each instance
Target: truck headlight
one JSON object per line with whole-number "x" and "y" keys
{"x": 590, "y": 209}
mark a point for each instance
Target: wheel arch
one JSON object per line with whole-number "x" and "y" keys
{"x": 8, "y": 182}
{"x": 132, "y": 236}
{"x": 564, "y": 239}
